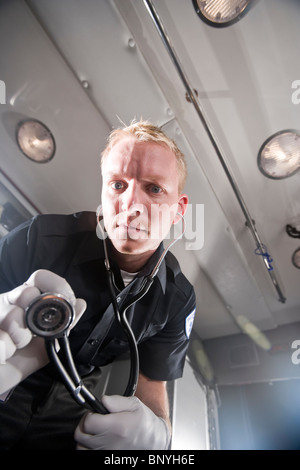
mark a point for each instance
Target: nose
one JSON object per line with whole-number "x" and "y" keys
{"x": 132, "y": 201}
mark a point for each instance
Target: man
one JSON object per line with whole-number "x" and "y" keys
{"x": 143, "y": 175}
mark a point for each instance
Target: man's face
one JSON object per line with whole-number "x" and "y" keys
{"x": 140, "y": 195}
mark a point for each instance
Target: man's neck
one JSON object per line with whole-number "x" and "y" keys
{"x": 131, "y": 263}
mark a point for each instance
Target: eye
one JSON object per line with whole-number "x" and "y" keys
{"x": 155, "y": 189}
{"x": 117, "y": 185}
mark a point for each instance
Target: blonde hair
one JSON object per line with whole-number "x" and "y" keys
{"x": 144, "y": 131}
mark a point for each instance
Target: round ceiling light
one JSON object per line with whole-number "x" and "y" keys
{"x": 221, "y": 12}
{"x": 296, "y": 258}
{"x": 35, "y": 141}
{"x": 279, "y": 156}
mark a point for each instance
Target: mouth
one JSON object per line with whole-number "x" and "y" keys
{"x": 131, "y": 231}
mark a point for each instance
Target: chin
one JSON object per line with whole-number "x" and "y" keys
{"x": 134, "y": 247}
{"x": 129, "y": 246}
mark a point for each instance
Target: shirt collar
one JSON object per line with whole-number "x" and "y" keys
{"x": 92, "y": 249}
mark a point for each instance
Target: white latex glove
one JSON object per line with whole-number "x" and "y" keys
{"x": 21, "y": 354}
{"x": 131, "y": 425}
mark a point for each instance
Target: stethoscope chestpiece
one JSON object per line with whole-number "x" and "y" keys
{"x": 49, "y": 315}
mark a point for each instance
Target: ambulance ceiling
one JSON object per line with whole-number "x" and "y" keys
{"x": 82, "y": 66}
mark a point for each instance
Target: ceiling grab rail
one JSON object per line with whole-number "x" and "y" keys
{"x": 260, "y": 247}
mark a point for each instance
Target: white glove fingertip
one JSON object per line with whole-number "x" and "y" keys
{"x": 118, "y": 403}
{"x": 48, "y": 281}
{"x": 79, "y": 309}
{"x": 14, "y": 326}
{"x": 168, "y": 433}
{"x": 23, "y": 338}
{"x": 79, "y": 447}
{"x": 7, "y": 347}
{"x": 80, "y": 435}
{"x": 21, "y": 296}
{"x": 2, "y": 353}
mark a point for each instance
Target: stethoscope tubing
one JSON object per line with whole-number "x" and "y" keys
{"x": 71, "y": 377}
{"x": 120, "y": 315}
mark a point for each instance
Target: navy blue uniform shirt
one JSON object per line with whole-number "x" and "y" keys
{"x": 68, "y": 245}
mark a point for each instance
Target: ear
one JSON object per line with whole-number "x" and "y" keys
{"x": 182, "y": 205}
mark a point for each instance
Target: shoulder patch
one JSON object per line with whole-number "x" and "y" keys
{"x": 189, "y": 320}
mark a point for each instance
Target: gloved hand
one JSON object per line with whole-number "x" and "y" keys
{"x": 131, "y": 425}
{"x": 21, "y": 354}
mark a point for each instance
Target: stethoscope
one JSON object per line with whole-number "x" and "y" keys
{"x": 50, "y": 316}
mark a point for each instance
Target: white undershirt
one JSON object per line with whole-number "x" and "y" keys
{"x": 127, "y": 277}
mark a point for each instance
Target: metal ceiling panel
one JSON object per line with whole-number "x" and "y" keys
{"x": 98, "y": 46}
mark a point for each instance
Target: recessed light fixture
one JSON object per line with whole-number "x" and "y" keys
{"x": 221, "y": 12}
{"x": 35, "y": 140}
{"x": 296, "y": 258}
{"x": 293, "y": 231}
{"x": 279, "y": 156}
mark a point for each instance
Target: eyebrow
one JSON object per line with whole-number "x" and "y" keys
{"x": 149, "y": 179}
{"x": 154, "y": 178}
